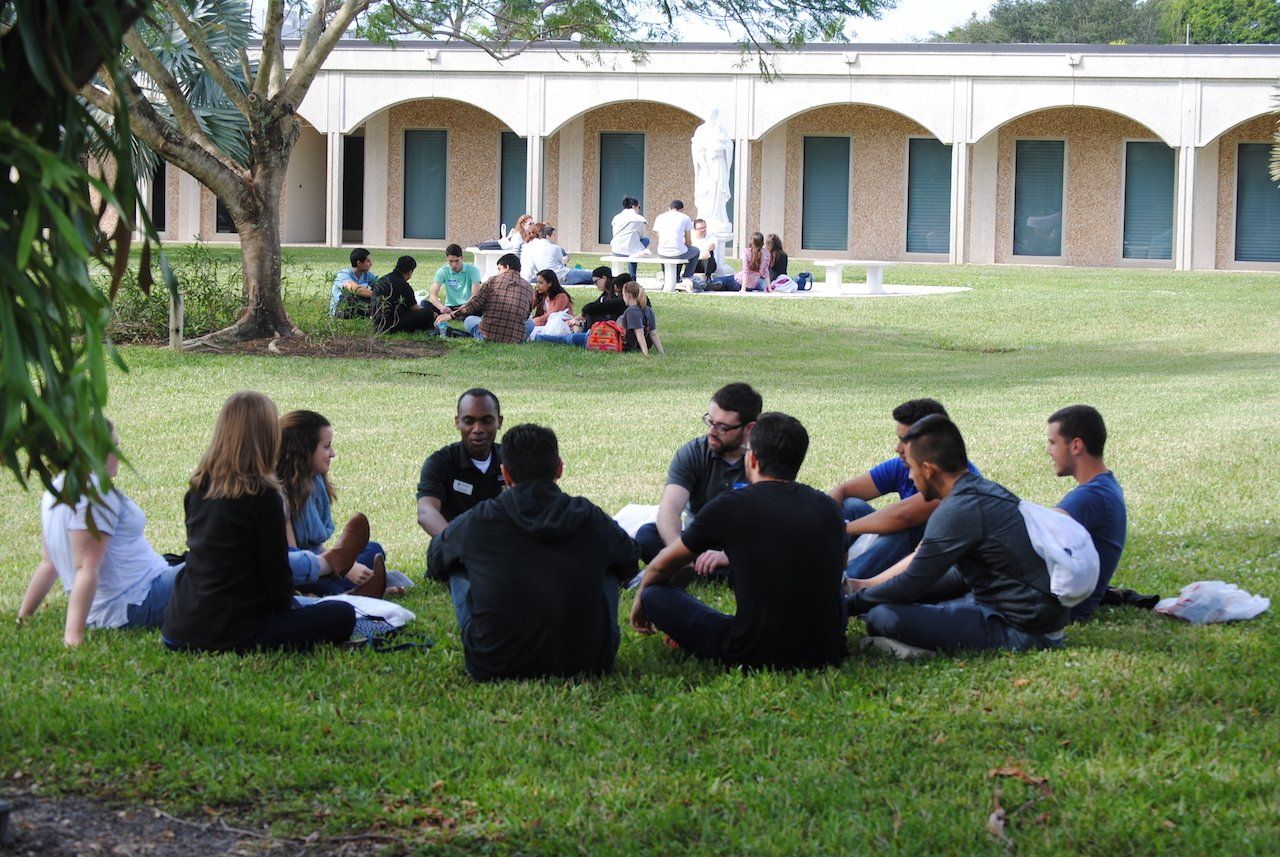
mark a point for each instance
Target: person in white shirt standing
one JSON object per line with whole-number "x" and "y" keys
{"x": 629, "y": 227}
{"x": 675, "y": 237}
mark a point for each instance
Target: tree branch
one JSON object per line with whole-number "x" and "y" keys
{"x": 211, "y": 65}
{"x": 173, "y": 95}
{"x": 307, "y": 63}
{"x": 272, "y": 24}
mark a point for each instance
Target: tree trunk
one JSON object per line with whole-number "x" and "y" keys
{"x": 256, "y": 214}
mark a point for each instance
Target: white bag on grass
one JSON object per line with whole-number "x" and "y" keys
{"x": 1066, "y": 548}
{"x": 1213, "y": 601}
{"x": 376, "y": 608}
{"x": 557, "y": 325}
{"x": 784, "y": 284}
{"x": 633, "y": 516}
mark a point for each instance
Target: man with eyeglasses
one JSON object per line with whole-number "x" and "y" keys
{"x": 703, "y": 469}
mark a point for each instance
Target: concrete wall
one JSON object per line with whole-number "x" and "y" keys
{"x": 304, "y": 194}
{"x": 474, "y": 137}
{"x": 1258, "y": 130}
{"x": 1093, "y": 215}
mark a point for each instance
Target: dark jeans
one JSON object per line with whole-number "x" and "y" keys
{"x": 691, "y": 257}
{"x": 887, "y": 549}
{"x": 298, "y": 629}
{"x": 337, "y": 585}
{"x": 698, "y": 629}
{"x": 650, "y": 542}
{"x": 962, "y": 623}
{"x": 726, "y": 283}
{"x": 413, "y": 320}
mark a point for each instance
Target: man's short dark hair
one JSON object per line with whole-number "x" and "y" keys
{"x": 481, "y": 393}
{"x": 358, "y": 255}
{"x": 741, "y": 399}
{"x": 530, "y": 452}
{"x": 937, "y": 440}
{"x": 405, "y": 264}
{"x": 677, "y": 204}
{"x": 779, "y": 442}
{"x": 548, "y": 230}
{"x": 453, "y": 250}
{"x": 510, "y": 260}
{"x": 1084, "y": 422}
{"x": 912, "y": 412}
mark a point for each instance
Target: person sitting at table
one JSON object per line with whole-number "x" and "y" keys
{"x": 543, "y": 254}
{"x": 458, "y": 279}
{"x": 512, "y": 240}
{"x": 352, "y": 295}
{"x": 629, "y": 227}
{"x": 395, "y": 306}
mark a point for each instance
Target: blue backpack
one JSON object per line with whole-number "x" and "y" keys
{"x": 804, "y": 281}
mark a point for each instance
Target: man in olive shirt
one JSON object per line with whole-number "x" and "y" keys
{"x": 457, "y": 477}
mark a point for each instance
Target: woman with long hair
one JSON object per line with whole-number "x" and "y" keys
{"x": 548, "y": 297}
{"x": 755, "y": 265}
{"x": 306, "y": 451}
{"x": 777, "y": 257}
{"x": 609, "y": 304}
{"x": 236, "y": 591}
{"x": 638, "y": 321}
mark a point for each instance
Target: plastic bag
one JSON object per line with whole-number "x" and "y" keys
{"x": 783, "y": 284}
{"x": 1067, "y": 550}
{"x": 1213, "y": 601}
{"x": 557, "y": 325}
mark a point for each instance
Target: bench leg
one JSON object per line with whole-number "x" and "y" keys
{"x": 832, "y": 283}
{"x": 669, "y": 276}
{"x": 875, "y": 280}
{"x": 617, "y": 268}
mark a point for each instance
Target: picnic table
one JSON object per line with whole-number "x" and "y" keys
{"x": 835, "y": 270}
{"x": 670, "y": 267}
{"x": 486, "y": 260}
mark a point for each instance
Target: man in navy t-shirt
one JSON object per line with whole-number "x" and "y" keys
{"x": 898, "y": 526}
{"x": 1076, "y": 437}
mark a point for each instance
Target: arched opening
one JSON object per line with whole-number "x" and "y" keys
{"x": 1247, "y": 199}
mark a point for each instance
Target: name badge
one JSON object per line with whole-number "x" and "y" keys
{"x": 462, "y": 487}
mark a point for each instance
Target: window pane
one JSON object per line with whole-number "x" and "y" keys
{"x": 424, "y": 183}
{"x": 1257, "y": 206}
{"x": 621, "y": 174}
{"x": 824, "y": 218}
{"x": 222, "y": 219}
{"x": 1037, "y": 198}
{"x": 514, "y": 164}
{"x": 928, "y": 196}
{"x": 1149, "y": 175}
{"x": 158, "y": 210}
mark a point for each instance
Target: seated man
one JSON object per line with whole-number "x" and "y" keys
{"x": 978, "y": 529}
{"x": 900, "y": 525}
{"x": 395, "y": 306}
{"x": 498, "y": 309}
{"x": 785, "y": 543}
{"x": 534, "y": 573}
{"x": 457, "y": 477}
{"x": 352, "y": 295}
{"x": 703, "y": 469}
{"x": 1077, "y": 436}
{"x": 457, "y": 278}
{"x": 675, "y": 235}
{"x": 707, "y": 250}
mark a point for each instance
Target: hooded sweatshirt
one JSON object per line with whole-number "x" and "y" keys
{"x": 538, "y": 561}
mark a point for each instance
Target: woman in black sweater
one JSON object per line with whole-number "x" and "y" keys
{"x": 609, "y": 304}
{"x": 236, "y": 591}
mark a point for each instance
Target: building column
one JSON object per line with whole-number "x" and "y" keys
{"x": 984, "y": 158}
{"x": 773, "y": 183}
{"x": 534, "y": 147}
{"x": 571, "y": 190}
{"x": 188, "y": 226}
{"x": 1196, "y": 208}
{"x": 333, "y": 190}
{"x": 959, "y": 251}
{"x": 741, "y": 194}
{"x": 376, "y": 178}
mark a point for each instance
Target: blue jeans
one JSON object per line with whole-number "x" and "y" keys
{"x": 150, "y": 612}
{"x": 963, "y": 623}
{"x": 700, "y": 630}
{"x": 644, "y": 239}
{"x": 575, "y": 277}
{"x": 578, "y": 340}
{"x": 472, "y": 324}
{"x": 460, "y": 593}
{"x": 887, "y": 549}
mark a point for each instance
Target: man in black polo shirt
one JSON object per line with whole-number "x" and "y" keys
{"x": 395, "y": 306}
{"x": 786, "y": 542}
{"x": 703, "y": 469}
{"x": 460, "y": 475}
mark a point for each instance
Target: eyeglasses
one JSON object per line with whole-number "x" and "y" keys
{"x": 719, "y": 428}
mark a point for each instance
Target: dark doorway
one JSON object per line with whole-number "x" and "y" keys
{"x": 352, "y": 184}
{"x": 158, "y": 210}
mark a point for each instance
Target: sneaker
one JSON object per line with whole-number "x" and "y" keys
{"x": 897, "y": 648}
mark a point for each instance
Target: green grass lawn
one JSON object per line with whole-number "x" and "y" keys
{"x": 1155, "y": 736}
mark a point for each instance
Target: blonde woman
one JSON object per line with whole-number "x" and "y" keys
{"x": 638, "y": 321}
{"x": 236, "y": 591}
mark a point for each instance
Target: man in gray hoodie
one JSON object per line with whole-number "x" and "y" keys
{"x": 534, "y": 573}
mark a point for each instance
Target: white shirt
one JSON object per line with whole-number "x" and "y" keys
{"x": 129, "y": 565}
{"x": 705, "y": 244}
{"x": 671, "y": 226}
{"x": 540, "y": 255}
{"x": 629, "y": 227}
{"x": 513, "y": 240}
{"x": 482, "y": 466}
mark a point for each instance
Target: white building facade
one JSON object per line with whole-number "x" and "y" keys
{"x": 1074, "y": 155}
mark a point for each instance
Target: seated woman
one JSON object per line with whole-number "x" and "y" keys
{"x": 609, "y": 305}
{"x": 306, "y": 450}
{"x": 629, "y": 226}
{"x": 236, "y": 591}
{"x": 113, "y": 578}
{"x": 755, "y": 265}
{"x": 512, "y": 240}
{"x": 638, "y": 321}
{"x": 548, "y": 297}
{"x": 777, "y": 257}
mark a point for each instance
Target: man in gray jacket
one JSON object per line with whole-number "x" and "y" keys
{"x": 975, "y": 540}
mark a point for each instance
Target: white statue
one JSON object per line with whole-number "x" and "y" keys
{"x": 712, "y": 159}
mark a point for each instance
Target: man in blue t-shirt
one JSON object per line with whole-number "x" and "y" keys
{"x": 1076, "y": 437}
{"x": 899, "y": 526}
{"x": 352, "y": 294}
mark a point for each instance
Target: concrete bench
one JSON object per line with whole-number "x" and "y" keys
{"x": 835, "y": 270}
{"x": 670, "y": 267}
{"x": 487, "y": 260}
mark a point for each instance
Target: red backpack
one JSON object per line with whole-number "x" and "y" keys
{"x": 605, "y": 336}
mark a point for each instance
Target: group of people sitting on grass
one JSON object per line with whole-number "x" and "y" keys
{"x": 505, "y": 308}
{"x": 764, "y": 262}
{"x": 535, "y": 574}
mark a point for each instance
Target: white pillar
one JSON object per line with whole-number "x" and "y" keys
{"x": 376, "y": 179}
{"x": 333, "y": 190}
{"x": 742, "y": 193}
{"x": 188, "y": 226}
{"x": 570, "y": 212}
{"x": 959, "y": 252}
{"x": 533, "y": 176}
{"x": 1196, "y": 208}
{"x": 984, "y": 157}
{"x": 773, "y": 183}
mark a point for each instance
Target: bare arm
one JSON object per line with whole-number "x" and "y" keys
{"x": 883, "y": 577}
{"x": 657, "y": 343}
{"x": 87, "y": 550}
{"x": 434, "y": 297}
{"x": 859, "y": 487}
{"x": 41, "y": 582}
{"x": 894, "y": 518}
{"x": 355, "y": 288}
{"x": 429, "y": 516}
{"x": 673, "y": 557}
{"x": 674, "y": 499}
